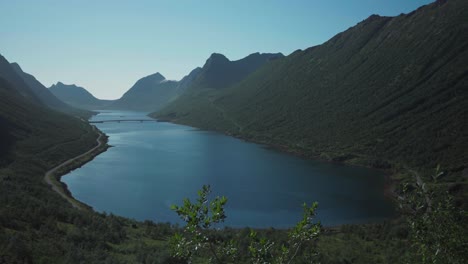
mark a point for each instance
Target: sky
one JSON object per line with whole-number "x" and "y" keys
{"x": 106, "y": 46}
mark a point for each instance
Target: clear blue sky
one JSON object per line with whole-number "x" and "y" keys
{"x": 105, "y": 46}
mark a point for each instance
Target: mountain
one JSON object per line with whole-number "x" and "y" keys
{"x": 39, "y": 90}
{"x": 78, "y": 96}
{"x": 187, "y": 81}
{"x": 154, "y": 92}
{"x": 147, "y": 94}
{"x": 390, "y": 91}
{"x": 9, "y": 75}
{"x": 217, "y": 74}
{"x": 34, "y": 139}
{"x": 46, "y": 97}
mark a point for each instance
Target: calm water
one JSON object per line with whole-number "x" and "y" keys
{"x": 153, "y": 165}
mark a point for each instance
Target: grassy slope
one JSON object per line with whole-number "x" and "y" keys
{"x": 387, "y": 91}
{"x": 36, "y": 224}
{"x": 46, "y": 97}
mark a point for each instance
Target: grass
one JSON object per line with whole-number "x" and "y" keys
{"x": 387, "y": 93}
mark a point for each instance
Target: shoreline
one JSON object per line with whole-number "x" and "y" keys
{"x": 53, "y": 176}
{"x": 389, "y": 173}
{"x": 64, "y": 168}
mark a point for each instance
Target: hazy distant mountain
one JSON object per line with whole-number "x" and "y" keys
{"x": 388, "y": 90}
{"x": 147, "y": 94}
{"x": 78, "y": 96}
{"x": 187, "y": 81}
{"x": 9, "y": 74}
{"x": 154, "y": 92}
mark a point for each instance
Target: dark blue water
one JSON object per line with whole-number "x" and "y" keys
{"x": 154, "y": 165}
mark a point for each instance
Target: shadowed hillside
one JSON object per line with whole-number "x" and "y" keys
{"x": 78, "y": 96}
{"x": 217, "y": 74}
{"x": 46, "y": 97}
{"x": 154, "y": 92}
{"x": 36, "y": 224}
{"x": 8, "y": 73}
{"x": 388, "y": 91}
{"x": 147, "y": 94}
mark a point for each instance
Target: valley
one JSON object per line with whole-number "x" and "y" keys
{"x": 371, "y": 124}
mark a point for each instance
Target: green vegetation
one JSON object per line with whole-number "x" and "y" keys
{"x": 36, "y": 224}
{"x": 438, "y": 229}
{"x": 434, "y": 232}
{"x": 153, "y": 92}
{"x": 389, "y": 93}
{"x": 200, "y": 238}
{"x": 46, "y": 97}
{"x": 219, "y": 72}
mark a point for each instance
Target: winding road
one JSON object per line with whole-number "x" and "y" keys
{"x": 50, "y": 180}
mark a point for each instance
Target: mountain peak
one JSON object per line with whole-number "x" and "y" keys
{"x": 16, "y": 66}
{"x": 61, "y": 84}
{"x": 218, "y": 57}
{"x": 157, "y": 76}
{"x": 270, "y": 56}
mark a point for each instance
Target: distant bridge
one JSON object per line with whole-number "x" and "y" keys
{"x": 123, "y": 120}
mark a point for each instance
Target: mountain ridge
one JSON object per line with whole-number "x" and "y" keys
{"x": 9, "y": 74}
{"x": 219, "y": 72}
{"x": 147, "y": 94}
{"x": 46, "y": 96}
{"x": 364, "y": 96}
{"x": 77, "y": 96}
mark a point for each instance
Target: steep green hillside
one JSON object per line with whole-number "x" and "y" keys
{"x": 78, "y": 96}
{"x": 8, "y": 73}
{"x": 217, "y": 74}
{"x": 187, "y": 81}
{"x": 46, "y": 97}
{"x": 154, "y": 92}
{"x": 390, "y": 91}
{"x": 36, "y": 224}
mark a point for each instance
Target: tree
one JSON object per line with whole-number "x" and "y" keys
{"x": 198, "y": 238}
{"x": 438, "y": 230}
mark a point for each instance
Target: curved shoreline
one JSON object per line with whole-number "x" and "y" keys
{"x": 389, "y": 173}
{"x": 52, "y": 176}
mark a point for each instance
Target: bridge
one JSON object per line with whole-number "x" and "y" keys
{"x": 123, "y": 120}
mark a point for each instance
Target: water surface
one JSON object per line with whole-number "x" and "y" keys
{"x": 154, "y": 165}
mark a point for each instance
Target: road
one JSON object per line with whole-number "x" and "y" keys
{"x": 50, "y": 180}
